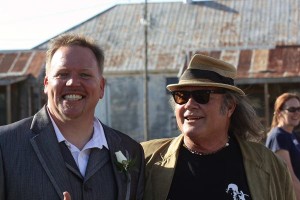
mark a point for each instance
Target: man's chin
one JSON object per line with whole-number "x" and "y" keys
{"x": 67, "y": 115}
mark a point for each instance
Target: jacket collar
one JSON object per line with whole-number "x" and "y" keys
{"x": 255, "y": 170}
{"x": 174, "y": 147}
{"x": 249, "y": 153}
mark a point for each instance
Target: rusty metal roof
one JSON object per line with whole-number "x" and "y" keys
{"x": 280, "y": 64}
{"x": 253, "y": 66}
{"x": 16, "y": 66}
{"x": 260, "y": 37}
{"x": 174, "y": 29}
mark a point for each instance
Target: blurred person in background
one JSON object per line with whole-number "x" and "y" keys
{"x": 282, "y": 139}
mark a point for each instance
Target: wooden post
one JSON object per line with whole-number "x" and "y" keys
{"x": 267, "y": 105}
{"x": 146, "y": 74}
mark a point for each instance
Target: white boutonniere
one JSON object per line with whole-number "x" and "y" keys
{"x": 124, "y": 165}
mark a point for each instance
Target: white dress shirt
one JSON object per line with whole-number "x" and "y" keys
{"x": 81, "y": 157}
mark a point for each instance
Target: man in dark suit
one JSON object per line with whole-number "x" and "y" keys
{"x": 64, "y": 147}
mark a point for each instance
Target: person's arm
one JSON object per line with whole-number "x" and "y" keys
{"x": 284, "y": 154}
{"x": 67, "y": 196}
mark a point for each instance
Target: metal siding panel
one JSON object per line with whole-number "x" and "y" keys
{"x": 1, "y": 58}
{"x": 275, "y": 60}
{"x": 291, "y": 60}
{"x": 177, "y": 28}
{"x": 165, "y": 60}
{"x": 294, "y": 22}
{"x": 244, "y": 62}
{"x": 7, "y": 62}
{"x": 231, "y": 57}
{"x": 260, "y": 61}
{"x": 215, "y": 54}
{"x": 20, "y": 63}
{"x": 36, "y": 66}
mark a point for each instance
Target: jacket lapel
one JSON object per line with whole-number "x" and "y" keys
{"x": 97, "y": 160}
{"x": 69, "y": 160}
{"x": 45, "y": 145}
{"x": 114, "y": 142}
{"x": 164, "y": 170}
{"x": 255, "y": 173}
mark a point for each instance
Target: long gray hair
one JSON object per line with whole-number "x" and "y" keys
{"x": 244, "y": 121}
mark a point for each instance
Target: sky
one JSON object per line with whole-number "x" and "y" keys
{"x": 25, "y": 24}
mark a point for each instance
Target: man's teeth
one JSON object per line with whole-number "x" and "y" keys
{"x": 192, "y": 118}
{"x": 73, "y": 97}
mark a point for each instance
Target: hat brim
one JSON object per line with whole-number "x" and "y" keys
{"x": 174, "y": 87}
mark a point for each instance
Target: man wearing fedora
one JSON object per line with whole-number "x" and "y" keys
{"x": 217, "y": 154}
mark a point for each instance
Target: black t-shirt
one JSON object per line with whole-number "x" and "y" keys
{"x": 218, "y": 176}
{"x": 279, "y": 139}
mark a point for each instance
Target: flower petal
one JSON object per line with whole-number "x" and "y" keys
{"x": 120, "y": 157}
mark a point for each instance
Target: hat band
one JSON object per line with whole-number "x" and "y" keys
{"x": 190, "y": 74}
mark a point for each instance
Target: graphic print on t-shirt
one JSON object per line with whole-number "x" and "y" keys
{"x": 236, "y": 194}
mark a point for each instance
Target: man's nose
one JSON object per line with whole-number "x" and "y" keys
{"x": 191, "y": 102}
{"x": 73, "y": 81}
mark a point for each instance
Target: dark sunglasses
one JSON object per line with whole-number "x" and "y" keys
{"x": 293, "y": 109}
{"x": 200, "y": 96}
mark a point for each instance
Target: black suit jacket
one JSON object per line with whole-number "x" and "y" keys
{"x": 32, "y": 165}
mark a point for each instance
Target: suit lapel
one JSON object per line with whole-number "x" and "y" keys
{"x": 114, "y": 142}
{"x": 97, "y": 159}
{"x": 69, "y": 160}
{"x": 45, "y": 145}
{"x": 253, "y": 163}
{"x": 164, "y": 170}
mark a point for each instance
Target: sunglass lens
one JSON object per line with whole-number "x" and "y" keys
{"x": 181, "y": 97}
{"x": 293, "y": 109}
{"x": 201, "y": 97}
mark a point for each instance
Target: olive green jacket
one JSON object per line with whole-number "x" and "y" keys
{"x": 267, "y": 176}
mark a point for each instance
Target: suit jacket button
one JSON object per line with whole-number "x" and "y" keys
{"x": 86, "y": 188}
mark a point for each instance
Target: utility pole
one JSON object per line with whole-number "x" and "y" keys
{"x": 146, "y": 72}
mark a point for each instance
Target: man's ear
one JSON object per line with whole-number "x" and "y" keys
{"x": 45, "y": 84}
{"x": 231, "y": 108}
{"x": 102, "y": 86}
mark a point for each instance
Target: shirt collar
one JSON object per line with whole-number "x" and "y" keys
{"x": 98, "y": 139}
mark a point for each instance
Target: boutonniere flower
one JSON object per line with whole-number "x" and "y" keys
{"x": 124, "y": 165}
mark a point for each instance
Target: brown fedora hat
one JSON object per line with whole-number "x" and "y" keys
{"x": 207, "y": 71}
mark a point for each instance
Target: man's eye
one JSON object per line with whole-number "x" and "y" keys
{"x": 85, "y": 75}
{"x": 61, "y": 75}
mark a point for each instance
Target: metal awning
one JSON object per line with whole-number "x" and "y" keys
{"x": 11, "y": 80}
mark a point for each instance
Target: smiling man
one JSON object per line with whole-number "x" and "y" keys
{"x": 64, "y": 147}
{"x": 213, "y": 157}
